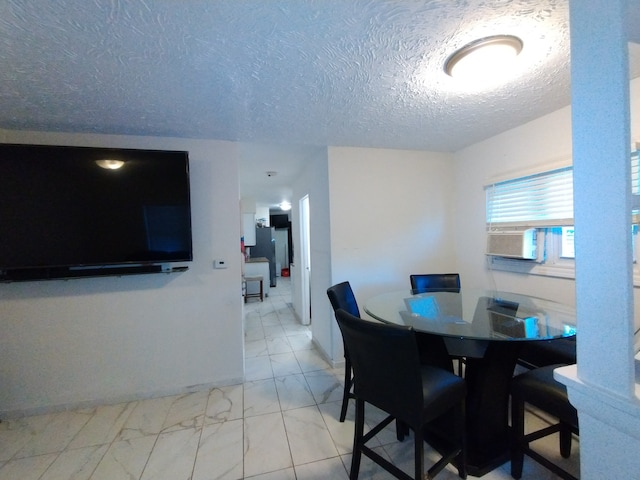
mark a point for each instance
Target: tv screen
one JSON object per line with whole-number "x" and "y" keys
{"x": 63, "y": 209}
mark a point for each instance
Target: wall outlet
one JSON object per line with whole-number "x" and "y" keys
{"x": 219, "y": 264}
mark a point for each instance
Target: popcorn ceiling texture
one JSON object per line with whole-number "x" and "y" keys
{"x": 302, "y": 72}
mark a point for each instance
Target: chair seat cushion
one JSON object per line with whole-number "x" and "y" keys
{"x": 549, "y": 352}
{"x": 539, "y": 388}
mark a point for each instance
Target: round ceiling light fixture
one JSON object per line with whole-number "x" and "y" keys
{"x": 285, "y": 206}
{"x": 110, "y": 164}
{"x": 489, "y": 56}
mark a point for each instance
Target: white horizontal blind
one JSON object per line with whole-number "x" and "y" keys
{"x": 544, "y": 199}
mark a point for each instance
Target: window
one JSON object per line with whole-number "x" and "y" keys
{"x": 567, "y": 249}
{"x": 544, "y": 201}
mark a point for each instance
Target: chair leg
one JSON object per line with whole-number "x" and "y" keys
{"x": 402, "y": 430}
{"x": 358, "y": 441}
{"x": 418, "y": 448}
{"x": 346, "y": 394}
{"x": 565, "y": 440}
{"x": 517, "y": 429}
{"x": 460, "y": 366}
{"x": 461, "y": 424}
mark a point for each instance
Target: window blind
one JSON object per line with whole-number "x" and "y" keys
{"x": 544, "y": 199}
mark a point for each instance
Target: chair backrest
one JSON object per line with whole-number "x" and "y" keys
{"x": 433, "y": 282}
{"x": 341, "y": 297}
{"x": 386, "y": 365}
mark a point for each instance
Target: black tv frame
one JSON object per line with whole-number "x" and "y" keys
{"x": 100, "y": 269}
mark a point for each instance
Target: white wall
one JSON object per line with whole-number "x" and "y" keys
{"x": 545, "y": 140}
{"x": 314, "y": 183}
{"x": 542, "y": 141}
{"x": 390, "y": 215}
{"x": 65, "y": 343}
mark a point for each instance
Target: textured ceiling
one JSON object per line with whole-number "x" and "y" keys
{"x": 301, "y": 73}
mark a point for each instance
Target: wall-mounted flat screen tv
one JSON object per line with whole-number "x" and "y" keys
{"x": 79, "y": 211}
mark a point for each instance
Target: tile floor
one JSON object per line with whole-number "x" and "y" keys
{"x": 281, "y": 424}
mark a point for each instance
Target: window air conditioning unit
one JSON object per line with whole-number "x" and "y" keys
{"x": 513, "y": 244}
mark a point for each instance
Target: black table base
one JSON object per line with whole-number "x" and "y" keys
{"x": 488, "y": 434}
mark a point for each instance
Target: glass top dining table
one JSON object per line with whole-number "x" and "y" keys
{"x": 475, "y": 314}
{"x": 487, "y": 328}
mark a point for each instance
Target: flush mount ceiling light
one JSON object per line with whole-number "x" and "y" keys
{"x": 483, "y": 57}
{"x": 285, "y": 206}
{"x": 110, "y": 164}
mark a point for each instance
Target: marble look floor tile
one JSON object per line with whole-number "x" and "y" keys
{"x": 225, "y": 403}
{"x": 332, "y": 468}
{"x": 30, "y": 468}
{"x": 308, "y": 436}
{"x": 286, "y": 316}
{"x": 254, "y": 332}
{"x": 341, "y": 432}
{"x": 257, "y": 368}
{"x": 310, "y": 360}
{"x": 294, "y": 392}
{"x": 271, "y": 331}
{"x": 549, "y": 446}
{"x": 76, "y": 464}
{"x": 284, "y": 364}
{"x": 294, "y": 328}
{"x": 220, "y": 452}
{"x": 186, "y": 411}
{"x": 277, "y": 345}
{"x": 14, "y": 435}
{"x": 368, "y": 468}
{"x": 300, "y": 341}
{"x": 285, "y": 310}
{"x": 52, "y": 433}
{"x": 255, "y": 348}
{"x": 325, "y": 387}
{"x": 265, "y": 445}
{"x": 125, "y": 460}
{"x": 260, "y": 397}
{"x": 285, "y": 474}
{"x": 103, "y": 426}
{"x": 251, "y": 316}
{"x": 270, "y": 318}
{"x": 147, "y": 418}
{"x": 173, "y": 456}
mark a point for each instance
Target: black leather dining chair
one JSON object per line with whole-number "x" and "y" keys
{"x": 438, "y": 282}
{"x": 538, "y": 388}
{"x": 341, "y": 297}
{"x": 435, "y": 282}
{"x": 388, "y": 375}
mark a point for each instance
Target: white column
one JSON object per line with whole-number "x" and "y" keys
{"x": 602, "y": 192}
{"x": 602, "y": 387}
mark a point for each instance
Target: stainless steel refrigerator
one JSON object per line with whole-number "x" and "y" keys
{"x": 266, "y": 247}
